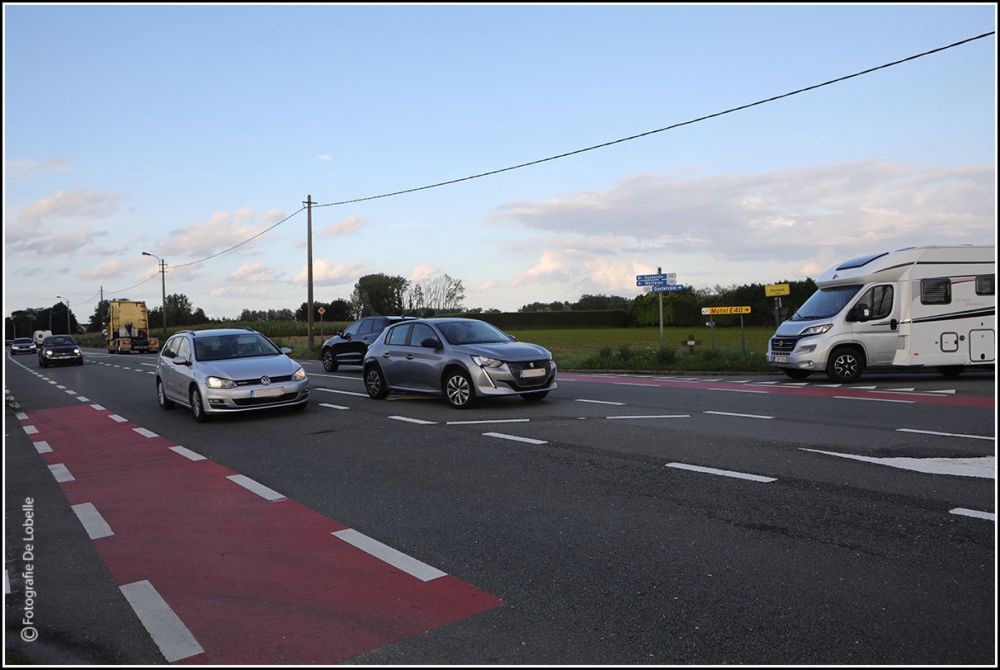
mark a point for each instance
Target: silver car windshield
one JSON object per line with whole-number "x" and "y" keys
{"x": 237, "y": 345}
{"x": 471, "y": 332}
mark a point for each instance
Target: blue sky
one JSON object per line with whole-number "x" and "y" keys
{"x": 183, "y": 130}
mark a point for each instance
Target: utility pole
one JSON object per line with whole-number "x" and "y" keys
{"x": 309, "y": 265}
{"x": 659, "y": 271}
{"x": 100, "y": 311}
{"x": 163, "y": 287}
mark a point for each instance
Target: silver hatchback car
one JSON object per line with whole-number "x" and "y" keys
{"x": 227, "y": 370}
{"x": 464, "y": 359}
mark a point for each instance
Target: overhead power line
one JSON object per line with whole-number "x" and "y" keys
{"x": 661, "y": 130}
{"x": 236, "y": 246}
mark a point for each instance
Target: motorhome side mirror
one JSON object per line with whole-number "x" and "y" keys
{"x": 430, "y": 343}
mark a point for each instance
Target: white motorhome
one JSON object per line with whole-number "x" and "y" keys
{"x": 39, "y": 335}
{"x": 917, "y": 307}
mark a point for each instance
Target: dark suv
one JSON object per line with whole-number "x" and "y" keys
{"x": 351, "y": 344}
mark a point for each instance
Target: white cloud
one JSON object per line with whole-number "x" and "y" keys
{"x": 76, "y": 203}
{"x": 27, "y": 169}
{"x": 422, "y": 272}
{"x": 350, "y": 225}
{"x": 325, "y": 157}
{"x": 253, "y": 273}
{"x": 273, "y": 216}
{"x": 328, "y": 273}
{"x": 223, "y": 230}
{"x": 123, "y": 272}
{"x": 787, "y": 216}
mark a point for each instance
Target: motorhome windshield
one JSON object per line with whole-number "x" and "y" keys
{"x": 826, "y": 302}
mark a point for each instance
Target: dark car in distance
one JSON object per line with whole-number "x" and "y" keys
{"x": 59, "y": 349}
{"x": 350, "y": 345}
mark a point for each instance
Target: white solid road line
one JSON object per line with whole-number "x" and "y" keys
{"x": 409, "y": 420}
{"x": 169, "y": 633}
{"x": 747, "y": 416}
{"x": 145, "y": 433}
{"x": 932, "y": 432}
{"x": 723, "y": 473}
{"x": 393, "y": 557}
{"x": 360, "y": 395}
{"x": 468, "y": 423}
{"x": 515, "y": 438}
{"x": 61, "y": 473}
{"x": 983, "y": 467}
{"x": 320, "y": 374}
{"x": 847, "y": 397}
{"x": 652, "y": 416}
{"x": 961, "y": 511}
{"x": 739, "y": 390}
{"x": 256, "y": 487}
{"x": 600, "y": 402}
{"x": 187, "y": 453}
{"x": 92, "y": 521}
{"x": 326, "y": 404}
{"x": 42, "y": 447}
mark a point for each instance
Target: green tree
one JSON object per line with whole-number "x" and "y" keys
{"x": 379, "y": 294}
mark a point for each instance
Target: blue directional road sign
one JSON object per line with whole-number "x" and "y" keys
{"x": 651, "y": 280}
{"x": 667, "y": 288}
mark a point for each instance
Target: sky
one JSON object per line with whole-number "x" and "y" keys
{"x": 183, "y": 130}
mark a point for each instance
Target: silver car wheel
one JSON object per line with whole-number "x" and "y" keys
{"x": 458, "y": 390}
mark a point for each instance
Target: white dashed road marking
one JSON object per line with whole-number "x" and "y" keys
{"x": 515, "y": 438}
{"x": 169, "y": 633}
{"x": 600, "y": 402}
{"x": 99, "y": 407}
{"x": 652, "y": 416}
{"x": 119, "y": 419}
{"x": 409, "y": 420}
{"x": 746, "y": 416}
{"x": 984, "y": 467}
{"x": 326, "y": 404}
{"x": 397, "y": 559}
{"x": 738, "y": 390}
{"x": 92, "y": 521}
{"x": 20, "y": 416}
{"x": 42, "y": 447}
{"x": 145, "y": 433}
{"x": 723, "y": 473}
{"x": 187, "y": 453}
{"x": 61, "y": 473}
{"x": 848, "y": 397}
{"x": 30, "y": 430}
{"x": 256, "y": 487}
{"x": 931, "y": 432}
{"x": 360, "y": 395}
{"x": 469, "y": 423}
{"x": 961, "y": 511}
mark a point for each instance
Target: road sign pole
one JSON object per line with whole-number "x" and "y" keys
{"x": 660, "y": 294}
{"x": 743, "y": 334}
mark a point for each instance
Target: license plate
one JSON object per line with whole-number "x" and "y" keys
{"x": 266, "y": 393}
{"x": 779, "y": 358}
{"x": 537, "y": 372}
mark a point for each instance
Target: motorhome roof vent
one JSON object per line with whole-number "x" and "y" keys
{"x": 860, "y": 260}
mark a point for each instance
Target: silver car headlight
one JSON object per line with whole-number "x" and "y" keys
{"x": 487, "y": 362}
{"x": 816, "y": 330}
{"x": 220, "y": 383}
{"x": 298, "y": 375}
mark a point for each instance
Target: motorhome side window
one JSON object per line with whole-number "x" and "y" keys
{"x": 879, "y": 301}
{"x": 935, "y": 291}
{"x": 985, "y": 285}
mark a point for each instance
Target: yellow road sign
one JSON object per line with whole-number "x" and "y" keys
{"x": 775, "y": 290}
{"x": 726, "y": 310}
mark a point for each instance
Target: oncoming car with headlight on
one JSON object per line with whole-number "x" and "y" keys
{"x": 227, "y": 370}
{"x": 465, "y": 359}
{"x": 59, "y": 349}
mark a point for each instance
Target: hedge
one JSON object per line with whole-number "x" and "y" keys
{"x": 610, "y": 318}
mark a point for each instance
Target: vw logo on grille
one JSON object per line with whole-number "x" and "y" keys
{"x": 265, "y": 380}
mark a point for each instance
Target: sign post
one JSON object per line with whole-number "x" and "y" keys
{"x": 776, "y": 291}
{"x": 741, "y": 310}
{"x": 322, "y": 311}
{"x": 660, "y": 283}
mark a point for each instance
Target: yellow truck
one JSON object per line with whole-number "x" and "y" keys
{"x": 128, "y": 328}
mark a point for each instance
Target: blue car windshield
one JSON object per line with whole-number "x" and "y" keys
{"x": 471, "y": 332}
{"x": 826, "y": 302}
{"x": 238, "y": 345}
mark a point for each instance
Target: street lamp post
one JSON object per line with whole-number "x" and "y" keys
{"x": 163, "y": 287}
{"x": 68, "y": 330}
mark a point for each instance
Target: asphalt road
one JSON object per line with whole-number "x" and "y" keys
{"x": 623, "y": 520}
